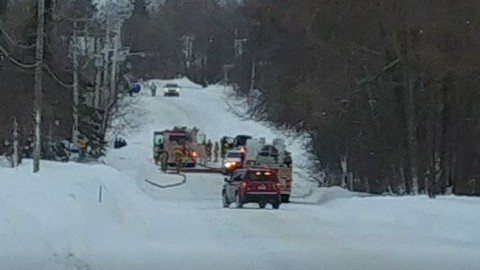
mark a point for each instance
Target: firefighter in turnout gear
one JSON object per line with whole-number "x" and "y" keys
{"x": 215, "y": 151}
{"x": 163, "y": 158}
{"x": 208, "y": 148}
{"x": 156, "y": 154}
{"x": 178, "y": 159}
{"x": 83, "y": 146}
{"x": 225, "y": 147}
{"x": 185, "y": 151}
{"x": 153, "y": 88}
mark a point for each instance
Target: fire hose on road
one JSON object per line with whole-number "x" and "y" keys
{"x": 183, "y": 182}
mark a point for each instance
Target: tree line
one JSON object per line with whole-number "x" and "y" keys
{"x": 18, "y": 23}
{"x": 387, "y": 89}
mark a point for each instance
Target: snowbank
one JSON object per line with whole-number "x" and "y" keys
{"x": 328, "y": 194}
{"x": 52, "y": 219}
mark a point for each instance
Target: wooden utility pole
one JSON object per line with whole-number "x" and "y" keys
{"x": 16, "y": 151}
{"x": 105, "y": 97}
{"x": 75, "y": 84}
{"x": 98, "y": 75}
{"x": 38, "y": 83}
{"x": 116, "y": 47}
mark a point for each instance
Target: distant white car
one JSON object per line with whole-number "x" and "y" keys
{"x": 171, "y": 89}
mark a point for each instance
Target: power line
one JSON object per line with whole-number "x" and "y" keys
{"x": 16, "y": 62}
{"x": 55, "y": 77}
{"x": 11, "y": 40}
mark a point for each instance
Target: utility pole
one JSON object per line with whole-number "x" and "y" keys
{"x": 116, "y": 47}
{"x": 75, "y": 84}
{"x": 105, "y": 64}
{"x": 98, "y": 75}
{"x": 252, "y": 76}
{"x": 38, "y": 83}
{"x": 16, "y": 152}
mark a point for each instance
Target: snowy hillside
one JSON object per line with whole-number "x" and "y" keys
{"x": 59, "y": 220}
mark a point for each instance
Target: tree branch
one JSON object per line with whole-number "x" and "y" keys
{"x": 384, "y": 69}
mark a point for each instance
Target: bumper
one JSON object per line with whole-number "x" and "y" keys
{"x": 227, "y": 171}
{"x": 256, "y": 196}
{"x": 171, "y": 93}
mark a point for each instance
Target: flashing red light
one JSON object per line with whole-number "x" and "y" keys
{"x": 194, "y": 154}
{"x": 268, "y": 173}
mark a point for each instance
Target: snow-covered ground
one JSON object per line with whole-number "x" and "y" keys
{"x": 55, "y": 220}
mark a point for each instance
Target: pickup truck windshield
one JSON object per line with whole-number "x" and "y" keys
{"x": 233, "y": 155}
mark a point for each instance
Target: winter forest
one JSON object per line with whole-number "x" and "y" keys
{"x": 386, "y": 89}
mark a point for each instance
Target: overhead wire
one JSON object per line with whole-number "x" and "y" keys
{"x": 15, "y": 61}
{"x": 11, "y": 40}
{"x": 55, "y": 77}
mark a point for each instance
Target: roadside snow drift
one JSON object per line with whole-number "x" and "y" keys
{"x": 89, "y": 217}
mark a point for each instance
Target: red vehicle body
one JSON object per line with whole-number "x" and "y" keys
{"x": 252, "y": 185}
{"x": 178, "y": 138}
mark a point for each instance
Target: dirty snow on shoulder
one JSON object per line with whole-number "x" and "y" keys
{"x": 106, "y": 216}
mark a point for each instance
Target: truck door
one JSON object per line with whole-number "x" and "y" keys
{"x": 235, "y": 181}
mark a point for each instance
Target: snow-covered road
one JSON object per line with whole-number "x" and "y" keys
{"x": 55, "y": 220}
{"x": 194, "y": 230}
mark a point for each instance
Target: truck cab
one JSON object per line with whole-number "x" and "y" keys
{"x": 177, "y": 138}
{"x": 234, "y": 159}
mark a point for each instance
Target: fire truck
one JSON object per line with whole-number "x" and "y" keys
{"x": 178, "y": 137}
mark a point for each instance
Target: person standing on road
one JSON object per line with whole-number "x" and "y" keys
{"x": 163, "y": 157}
{"x": 153, "y": 88}
{"x": 209, "y": 150}
{"x": 225, "y": 147}
{"x": 178, "y": 159}
{"x": 215, "y": 151}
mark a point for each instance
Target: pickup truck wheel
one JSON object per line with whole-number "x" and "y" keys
{"x": 276, "y": 205}
{"x": 226, "y": 203}
{"x": 238, "y": 201}
{"x": 262, "y": 204}
{"x": 285, "y": 198}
